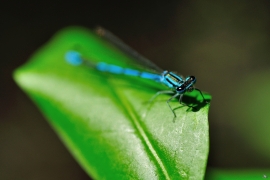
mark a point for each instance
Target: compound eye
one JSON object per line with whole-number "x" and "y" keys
{"x": 181, "y": 88}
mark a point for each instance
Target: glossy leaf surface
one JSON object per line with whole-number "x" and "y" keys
{"x": 106, "y": 121}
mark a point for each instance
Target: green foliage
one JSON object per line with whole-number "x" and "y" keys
{"x": 106, "y": 120}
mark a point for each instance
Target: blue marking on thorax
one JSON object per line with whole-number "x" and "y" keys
{"x": 167, "y": 84}
{"x": 171, "y": 79}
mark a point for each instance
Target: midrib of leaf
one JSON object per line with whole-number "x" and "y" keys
{"x": 134, "y": 117}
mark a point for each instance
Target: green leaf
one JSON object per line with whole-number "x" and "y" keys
{"x": 106, "y": 121}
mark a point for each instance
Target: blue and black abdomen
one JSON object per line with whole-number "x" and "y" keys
{"x": 74, "y": 58}
{"x": 104, "y": 67}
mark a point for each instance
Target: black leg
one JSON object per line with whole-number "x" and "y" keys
{"x": 168, "y": 102}
{"x": 201, "y": 95}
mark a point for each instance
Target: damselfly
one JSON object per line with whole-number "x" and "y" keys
{"x": 177, "y": 85}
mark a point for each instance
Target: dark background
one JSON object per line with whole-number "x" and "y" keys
{"x": 224, "y": 43}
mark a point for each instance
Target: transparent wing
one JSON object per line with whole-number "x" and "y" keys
{"x": 125, "y": 48}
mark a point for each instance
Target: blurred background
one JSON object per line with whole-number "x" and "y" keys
{"x": 225, "y": 44}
